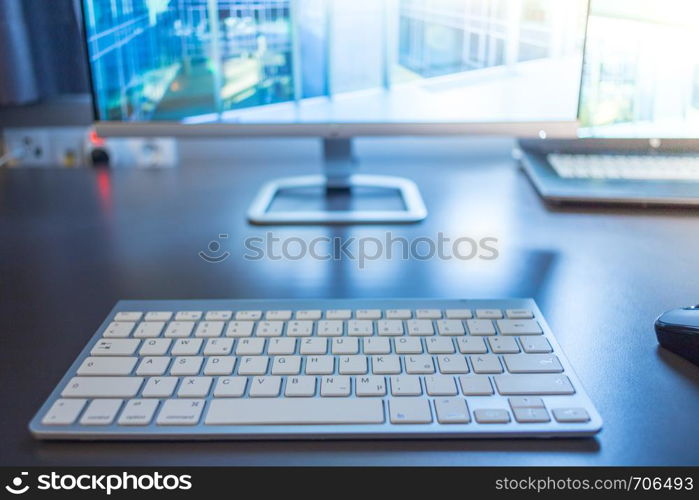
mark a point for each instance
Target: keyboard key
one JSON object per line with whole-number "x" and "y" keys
{"x": 299, "y": 328}
{"x": 353, "y": 365}
{"x": 64, "y": 412}
{"x": 492, "y": 416}
{"x": 278, "y": 315}
{"x": 421, "y": 327}
{"x": 535, "y": 345}
{"x": 219, "y": 365}
{"x": 338, "y": 314}
{"x": 218, "y": 347}
{"x": 440, "y": 345}
{"x": 253, "y": 365}
{"x": 475, "y": 385}
{"x": 153, "y": 366}
{"x": 440, "y": 386}
{"x": 250, "y": 347}
{"x": 376, "y": 345}
{"x": 336, "y": 386}
{"x": 405, "y": 385}
{"x": 313, "y": 345}
{"x": 218, "y": 315}
{"x": 107, "y": 366}
{"x": 138, "y": 412}
{"x": 155, "y": 347}
{"x": 194, "y": 387}
{"x": 480, "y": 327}
{"x": 407, "y": 345}
{"x": 300, "y": 387}
{"x": 181, "y": 412}
{"x": 186, "y": 347}
{"x": 128, "y": 316}
{"x": 532, "y": 363}
{"x": 239, "y": 329}
{"x": 360, "y": 328}
{"x": 531, "y": 415}
{"x": 102, "y": 387}
{"x": 370, "y": 386}
{"x": 410, "y": 411}
{"x": 248, "y": 315}
{"x": 519, "y": 314}
{"x": 450, "y": 327}
{"x": 209, "y": 329}
{"x": 160, "y": 387}
{"x": 428, "y": 314}
{"x": 286, "y": 365}
{"x": 118, "y": 329}
{"x": 503, "y": 345}
{"x": 230, "y": 387}
{"x": 158, "y": 316}
{"x": 368, "y": 314}
{"x": 285, "y": 346}
{"x": 418, "y": 364}
{"x": 526, "y": 402}
{"x": 543, "y": 384}
{"x": 101, "y": 412}
{"x": 519, "y": 327}
{"x": 451, "y": 411}
{"x": 488, "y": 313}
{"x": 471, "y": 345}
{"x": 345, "y": 345}
{"x": 308, "y": 315}
{"x": 269, "y": 329}
{"x": 265, "y": 387}
{"x": 149, "y": 329}
{"x": 570, "y": 415}
{"x": 385, "y": 365}
{"x": 320, "y": 365}
{"x": 452, "y": 364}
{"x": 295, "y": 411}
{"x": 486, "y": 363}
{"x": 188, "y": 316}
{"x": 459, "y": 314}
{"x": 330, "y": 328}
{"x": 390, "y": 327}
{"x": 186, "y": 365}
{"x": 115, "y": 347}
{"x": 399, "y": 314}
{"x": 179, "y": 329}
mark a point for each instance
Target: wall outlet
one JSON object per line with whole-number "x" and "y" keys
{"x": 46, "y": 147}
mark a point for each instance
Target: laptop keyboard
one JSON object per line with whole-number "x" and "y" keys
{"x": 310, "y": 369}
{"x": 630, "y": 167}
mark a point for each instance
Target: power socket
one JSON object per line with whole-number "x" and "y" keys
{"x": 46, "y": 147}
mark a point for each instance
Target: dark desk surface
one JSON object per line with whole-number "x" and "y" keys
{"x": 74, "y": 242}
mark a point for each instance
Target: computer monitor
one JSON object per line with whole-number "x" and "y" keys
{"x": 335, "y": 69}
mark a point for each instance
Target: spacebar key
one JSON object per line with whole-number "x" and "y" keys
{"x": 294, "y": 411}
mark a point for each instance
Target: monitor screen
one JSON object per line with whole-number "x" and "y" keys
{"x": 335, "y": 61}
{"x": 641, "y": 72}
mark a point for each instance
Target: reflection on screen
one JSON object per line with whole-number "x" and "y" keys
{"x": 320, "y": 61}
{"x": 641, "y": 73}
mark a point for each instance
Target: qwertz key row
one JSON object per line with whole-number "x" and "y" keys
{"x": 310, "y": 369}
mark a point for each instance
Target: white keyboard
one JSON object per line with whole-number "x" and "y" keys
{"x": 630, "y": 167}
{"x": 225, "y": 369}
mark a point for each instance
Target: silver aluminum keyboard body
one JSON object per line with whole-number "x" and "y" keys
{"x": 557, "y": 408}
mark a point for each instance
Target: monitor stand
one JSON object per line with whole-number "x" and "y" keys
{"x": 338, "y": 187}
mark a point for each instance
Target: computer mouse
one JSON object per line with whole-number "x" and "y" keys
{"x": 678, "y": 331}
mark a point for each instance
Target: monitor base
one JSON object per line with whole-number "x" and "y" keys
{"x": 339, "y": 165}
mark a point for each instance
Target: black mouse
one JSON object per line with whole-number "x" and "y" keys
{"x": 678, "y": 331}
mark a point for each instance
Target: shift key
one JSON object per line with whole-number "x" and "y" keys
{"x": 533, "y": 384}
{"x": 102, "y": 387}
